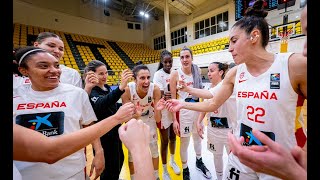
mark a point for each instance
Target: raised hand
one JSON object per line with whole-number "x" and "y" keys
{"x": 125, "y": 77}
{"x": 182, "y": 86}
{"x": 126, "y": 112}
{"x": 161, "y": 104}
{"x": 138, "y": 111}
{"x": 91, "y": 79}
{"x": 300, "y": 155}
{"x": 269, "y": 159}
{"x": 173, "y": 105}
{"x": 135, "y": 135}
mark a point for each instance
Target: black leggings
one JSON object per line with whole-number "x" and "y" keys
{"x": 167, "y": 136}
{"x": 113, "y": 155}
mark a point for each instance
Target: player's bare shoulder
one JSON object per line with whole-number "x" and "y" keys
{"x": 156, "y": 91}
{"x": 174, "y": 74}
{"x": 231, "y": 75}
{"x": 298, "y": 73}
{"x": 297, "y": 63}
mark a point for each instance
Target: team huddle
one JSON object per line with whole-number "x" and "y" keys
{"x": 246, "y": 106}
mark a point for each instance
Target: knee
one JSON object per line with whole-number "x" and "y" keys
{"x": 217, "y": 155}
{"x": 164, "y": 141}
{"x": 154, "y": 150}
{"x": 172, "y": 138}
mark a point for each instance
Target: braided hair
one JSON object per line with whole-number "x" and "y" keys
{"x": 163, "y": 54}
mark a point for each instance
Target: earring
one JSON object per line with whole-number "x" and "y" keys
{"x": 251, "y": 38}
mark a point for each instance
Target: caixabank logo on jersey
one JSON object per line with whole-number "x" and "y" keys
{"x": 219, "y": 122}
{"x": 49, "y": 124}
{"x": 250, "y": 139}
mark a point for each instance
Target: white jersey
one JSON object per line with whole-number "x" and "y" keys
{"x": 68, "y": 76}
{"x": 19, "y": 80}
{"x": 188, "y": 79}
{"x": 16, "y": 174}
{"x": 145, "y": 103}
{"x": 186, "y": 118}
{"x": 56, "y": 112}
{"x": 267, "y": 103}
{"x": 162, "y": 80}
{"x": 225, "y": 116}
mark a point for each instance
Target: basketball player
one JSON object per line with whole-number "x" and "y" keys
{"x": 275, "y": 159}
{"x": 145, "y": 95}
{"x": 167, "y": 135}
{"x": 52, "y": 108}
{"x": 220, "y": 121}
{"x": 266, "y": 85}
{"x": 184, "y": 121}
{"x": 53, "y": 44}
{"x": 134, "y": 134}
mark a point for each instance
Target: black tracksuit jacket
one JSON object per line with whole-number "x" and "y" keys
{"x": 105, "y": 104}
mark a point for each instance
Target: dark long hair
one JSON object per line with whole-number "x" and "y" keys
{"x": 255, "y": 18}
{"x": 15, "y": 63}
{"x": 137, "y": 68}
{"x": 23, "y": 54}
{"x": 222, "y": 66}
{"x": 92, "y": 66}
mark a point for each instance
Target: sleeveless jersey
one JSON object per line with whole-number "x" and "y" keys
{"x": 162, "y": 80}
{"x": 266, "y": 103}
{"x": 145, "y": 103}
{"x": 225, "y": 116}
{"x": 188, "y": 79}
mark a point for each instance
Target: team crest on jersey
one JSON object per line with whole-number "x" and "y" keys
{"x": 241, "y": 75}
{"x": 275, "y": 81}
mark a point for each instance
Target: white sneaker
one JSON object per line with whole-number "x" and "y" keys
{"x": 166, "y": 176}
{"x": 175, "y": 167}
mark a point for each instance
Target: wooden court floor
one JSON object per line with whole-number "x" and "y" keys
{"x": 125, "y": 174}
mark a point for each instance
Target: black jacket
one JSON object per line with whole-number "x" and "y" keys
{"x": 105, "y": 104}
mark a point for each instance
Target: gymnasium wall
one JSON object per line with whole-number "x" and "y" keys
{"x": 75, "y": 18}
{"x": 104, "y": 27}
{"x": 203, "y": 60}
{"x": 203, "y": 12}
{"x": 275, "y": 17}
